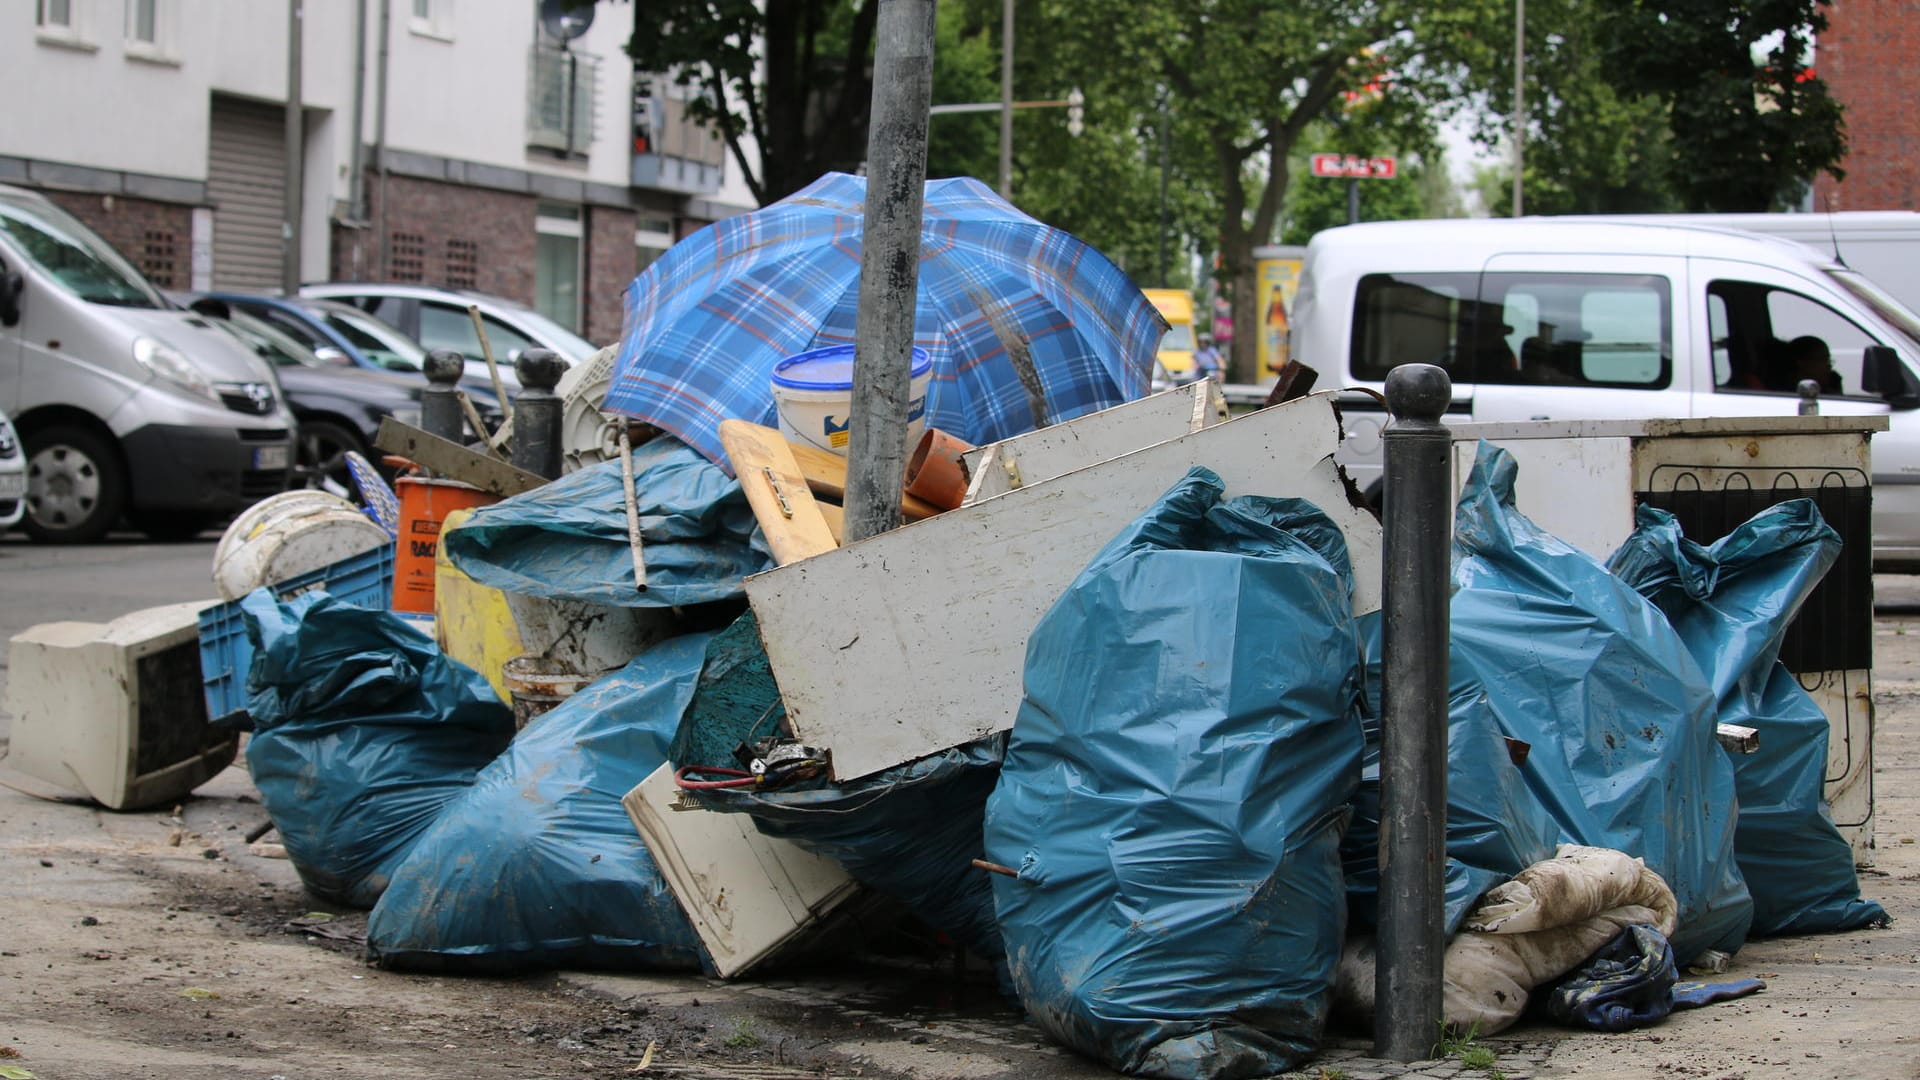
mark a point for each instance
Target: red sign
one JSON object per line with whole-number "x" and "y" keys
{"x": 1350, "y": 167}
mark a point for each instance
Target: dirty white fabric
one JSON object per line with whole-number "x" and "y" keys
{"x": 1529, "y": 931}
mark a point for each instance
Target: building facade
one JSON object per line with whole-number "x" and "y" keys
{"x": 1866, "y": 57}
{"x": 444, "y": 142}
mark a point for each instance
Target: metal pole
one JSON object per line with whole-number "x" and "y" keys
{"x": 1353, "y": 201}
{"x": 380, "y": 133}
{"x": 1413, "y": 704}
{"x": 1006, "y": 100}
{"x": 357, "y": 154}
{"x": 1519, "y": 99}
{"x": 296, "y": 132}
{"x": 536, "y": 413}
{"x": 440, "y": 411}
{"x": 1166, "y": 175}
{"x": 889, "y": 266}
{"x": 1809, "y": 397}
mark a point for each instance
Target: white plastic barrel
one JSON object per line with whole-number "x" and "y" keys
{"x": 287, "y": 535}
{"x": 813, "y": 393}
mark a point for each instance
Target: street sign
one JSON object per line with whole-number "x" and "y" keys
{"x": 1352, "y": 167}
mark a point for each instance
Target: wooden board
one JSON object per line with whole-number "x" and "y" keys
{"x": 776, "y": 490}
{"x": 1075, "y": 444}
{"x": 913, "y": 641}
{"x": 826, "y": 474}
{"x": 748, "y": 895}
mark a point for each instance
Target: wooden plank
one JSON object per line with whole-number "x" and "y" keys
{"x": 748, "y": 895}
{"x": 1061, "y": 448}
{"x": 453, "y": 461}
{"x": 776, "y": 490}
{"x": 943, "y": 607}
{"x": 826, "y": 474}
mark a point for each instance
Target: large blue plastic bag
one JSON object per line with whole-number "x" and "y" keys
{"x": 538, "y": 864}
{"x": 1619, "y": 717}
{"x": 567, "y": 540}
{"x": 1175, "y": 788}
{"x": 363, "y": 732}
{"x": 1731, "y": 604}
{"x": 910, "y": 832}
{"x": 1496, "y": 826}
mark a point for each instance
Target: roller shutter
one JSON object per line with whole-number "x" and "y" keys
{"x": 246, "y": 180}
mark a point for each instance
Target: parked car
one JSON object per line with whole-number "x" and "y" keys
{"x": 366, "y": 340}
{"x": 128, "y": 406}
{"x": 13, "y": 476}
{"x": 438, "y": 319}
{"x": 338, "y": 406}
{"x": 1540, "y": 319}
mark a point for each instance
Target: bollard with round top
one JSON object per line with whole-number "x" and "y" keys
{"x": 537, "y": 411}
{"x": 440, "y": 412}
{"x": 1418, "y": 524}
{"x": 1809, "y": 397}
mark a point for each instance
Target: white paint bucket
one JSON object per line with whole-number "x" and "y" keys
{"x": 287, "y": 535}
{"x": 813, "y": 395}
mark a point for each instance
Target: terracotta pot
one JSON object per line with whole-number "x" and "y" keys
{"x": 936, "y": 472}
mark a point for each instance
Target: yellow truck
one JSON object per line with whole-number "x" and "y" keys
{"x": 1175, "y": 358}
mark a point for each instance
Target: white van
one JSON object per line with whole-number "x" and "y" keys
{"x": 127, "y": 405}
{"x": 1545, "y": 319}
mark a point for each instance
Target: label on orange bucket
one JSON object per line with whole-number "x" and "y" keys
{"x": 423, "y": 505}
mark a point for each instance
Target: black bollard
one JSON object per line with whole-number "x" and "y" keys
{"x": 536, "y": 413}
{"x": 440, "y": 412}
{"x": 1418, "y": 504}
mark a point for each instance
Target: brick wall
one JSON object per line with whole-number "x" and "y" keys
{"x": 156, "y": 237}
{"x": 610, "y": 265}
{"x": 1866, "y": 57}
{"x": 446, "y": 235}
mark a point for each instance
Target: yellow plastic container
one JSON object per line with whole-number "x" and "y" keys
{"x": 471, "y": 621}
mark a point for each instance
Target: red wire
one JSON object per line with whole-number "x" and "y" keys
{"x": 742, "y": 778}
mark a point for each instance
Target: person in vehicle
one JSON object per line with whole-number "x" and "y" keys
{"x": 1809, "y": 358}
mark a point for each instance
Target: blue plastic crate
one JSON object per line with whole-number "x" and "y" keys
{"x": 365, "y": 580}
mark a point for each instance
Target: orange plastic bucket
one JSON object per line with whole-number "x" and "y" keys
{"x": 424, "y": 504}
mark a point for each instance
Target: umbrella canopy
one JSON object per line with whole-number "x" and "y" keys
{"x": 1026, "y": 325}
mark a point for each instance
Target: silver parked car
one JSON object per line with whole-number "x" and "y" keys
{"x": 13, "y": 476}
{"x": 438, "y": 319}
{"x": 128, "y": 406}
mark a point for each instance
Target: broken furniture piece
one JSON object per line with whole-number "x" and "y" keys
{"x": 1047, "y": 452}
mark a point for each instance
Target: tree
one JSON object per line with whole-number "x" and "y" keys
{"x": 1246, "y": 80}
{"x": 807, "y": 110}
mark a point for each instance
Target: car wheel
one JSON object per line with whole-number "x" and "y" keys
{"x": 320, "y": 457}
{"x": 171, "y": 526}
{"x": 76, "y": 486}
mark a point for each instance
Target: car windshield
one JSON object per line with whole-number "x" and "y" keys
{"x": 381, "y": 343}
{"x": 1884, "y": 306}
{"x": 68, "y": 251}
{"x": 277, "y": 348}
{"x": 564, "y": 341}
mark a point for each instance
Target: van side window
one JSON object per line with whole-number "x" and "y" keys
{"x": 1773, "y": 338}
{"x": 1413, "y": 319}
{"x": 1610, "y": 330}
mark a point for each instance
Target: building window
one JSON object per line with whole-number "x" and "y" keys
{"x": 62, "y": 22}
{"x": 560, "y": 99}
{"x": 149, "y": 30}
{"x": 651, "y": 239}
{"x": 556, "y": 264}
{"x": 408, "y": 261}
{"x": 463, "y": 264}
{"x": 54, "y": 15}
{"x": 157, "y": 258}
{"x": 431, "y": 18}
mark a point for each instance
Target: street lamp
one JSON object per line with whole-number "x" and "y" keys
{"x": 1075, "y": 103}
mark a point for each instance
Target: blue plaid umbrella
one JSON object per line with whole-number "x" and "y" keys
{"x": 1026, "y": 324}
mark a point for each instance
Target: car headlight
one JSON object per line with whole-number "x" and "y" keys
{"x": 170, "y": 364}
{"x": 9, "y": 445}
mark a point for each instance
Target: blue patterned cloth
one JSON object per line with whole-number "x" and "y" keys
{"x": 706, "y": 323}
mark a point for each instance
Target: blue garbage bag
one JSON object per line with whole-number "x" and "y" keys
{"x": 1175, "y": 789}
{"x": 1619, "y": 717}
{"x": 910, "y": 832}
{"x": 1496, "y": 826}
{"x": 567, "y": 540}
{"x": 363, "y": 732}
{"x": 538, "y": 864}
{"x": 1731, "y": 603}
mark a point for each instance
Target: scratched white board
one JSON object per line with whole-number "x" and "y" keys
{"x": 913, "y": 641}
{"x": 1047, "y": 452}
{"x": 746, "y": 893}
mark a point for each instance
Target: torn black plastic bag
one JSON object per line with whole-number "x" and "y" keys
{"x": 538, "y": 864}
{"x": 1731, "y": 604}
{"x": 567, "y": 540}
{"x": 910, "y": 833}
{"x": 1175, "y": 789}
{"x": 1496, "y": 826}
{"x": 1619, "y": 717}
{"x": 363, "y": 732}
